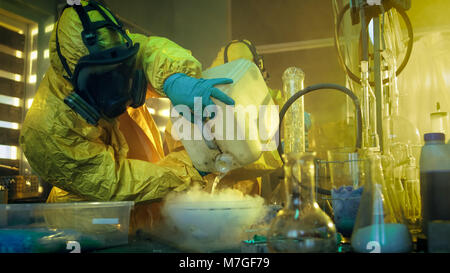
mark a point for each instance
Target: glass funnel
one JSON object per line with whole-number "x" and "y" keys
{"x": 378, "y": 229}
{"x": 301, "y": 226}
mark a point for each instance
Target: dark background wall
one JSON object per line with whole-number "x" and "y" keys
{"x": 267, "y": 22}
{"x": 199, "y": 25}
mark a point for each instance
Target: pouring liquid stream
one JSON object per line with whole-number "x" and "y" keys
{"x": 216, "y": 181}
{"x": 224, "y": 163}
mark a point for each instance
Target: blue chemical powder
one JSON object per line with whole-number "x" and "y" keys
{"x": 345, "y": 201}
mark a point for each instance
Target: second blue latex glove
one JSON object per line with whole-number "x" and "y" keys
{"x": 182, "y": 89}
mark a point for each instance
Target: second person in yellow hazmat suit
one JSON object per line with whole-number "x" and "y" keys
{"x": 244, "y": 179}
{"x": 88, "y": 133}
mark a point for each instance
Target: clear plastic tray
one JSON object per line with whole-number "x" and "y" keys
{"x": 63, "y": 227}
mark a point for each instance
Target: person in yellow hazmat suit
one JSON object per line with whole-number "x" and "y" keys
{"x": 88, "y": 132}
{"x": 246, "y": 179}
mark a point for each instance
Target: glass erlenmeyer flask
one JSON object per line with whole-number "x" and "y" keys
{"x": 377, "y": 228}
{"x": 301, "y": 226}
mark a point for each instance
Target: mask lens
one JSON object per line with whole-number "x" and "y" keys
{"x": 107, "y": 86}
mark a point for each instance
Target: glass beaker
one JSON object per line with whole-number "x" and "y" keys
{"x": 377, "y": 229}
{"x": 346, "y": 181}
{"x": 301, "y": 226}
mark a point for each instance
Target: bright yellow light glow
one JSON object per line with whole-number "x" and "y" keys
{"x": 29, "y": 103}
{"x": 34, "y": 32}
{"x": 19, "y": 54}
{"x": 32, "y": 78}
{"x": 11, "y": 27}
{"x": 10, "y": 100}
{"x": 164, "y": 113}
{"x": 13, "y": 152}
{"x": 151, "y": 110}
{"x": 17, "y": 77}
{"x": 49, "y": 28}
{"x": 9, "y": 125}
{"x": 33, "y": 55}
{"x": 46, "y": 54}
{"x": 162, "y": 128}
{"x": 8, "y": 152}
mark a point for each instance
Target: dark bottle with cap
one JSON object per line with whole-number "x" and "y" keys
{"x": 435, "y": 191}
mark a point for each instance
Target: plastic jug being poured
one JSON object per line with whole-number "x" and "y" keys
{"x": 237, "y": 135}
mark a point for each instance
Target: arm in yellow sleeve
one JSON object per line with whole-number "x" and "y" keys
{"x": 161, "y": 57}
{"x": 91, "y": 161}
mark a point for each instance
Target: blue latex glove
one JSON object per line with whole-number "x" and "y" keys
{"x": 182, "y": 89}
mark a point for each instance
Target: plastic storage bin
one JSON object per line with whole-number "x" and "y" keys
{"x": 63, "y": 227}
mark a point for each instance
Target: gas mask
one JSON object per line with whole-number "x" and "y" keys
{"x": 105, "y": 81}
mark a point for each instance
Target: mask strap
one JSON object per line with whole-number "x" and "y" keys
{"x": 86, "y": 25}
{"x": 117, "y": 24}
{"x": 89, "y": 37}
{"x": 225, "y": 53}
{"x": 89, "y": 113}
{"x": 256, "y": 57}
{"x": 89, "y": 33}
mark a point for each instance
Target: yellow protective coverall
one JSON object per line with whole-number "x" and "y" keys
{"x": 113, "y": 161}
{"x": 245, "y": 179}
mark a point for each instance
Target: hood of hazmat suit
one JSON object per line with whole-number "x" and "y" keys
{"x": 114, "y": 161}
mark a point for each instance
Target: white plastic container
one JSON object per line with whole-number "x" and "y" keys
{"x": 242, "y": 132}
{"x": 439, "y": 121}
{"x": 63, "y": 227}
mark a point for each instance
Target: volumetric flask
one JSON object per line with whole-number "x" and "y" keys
{"x": 301, "y": 226}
